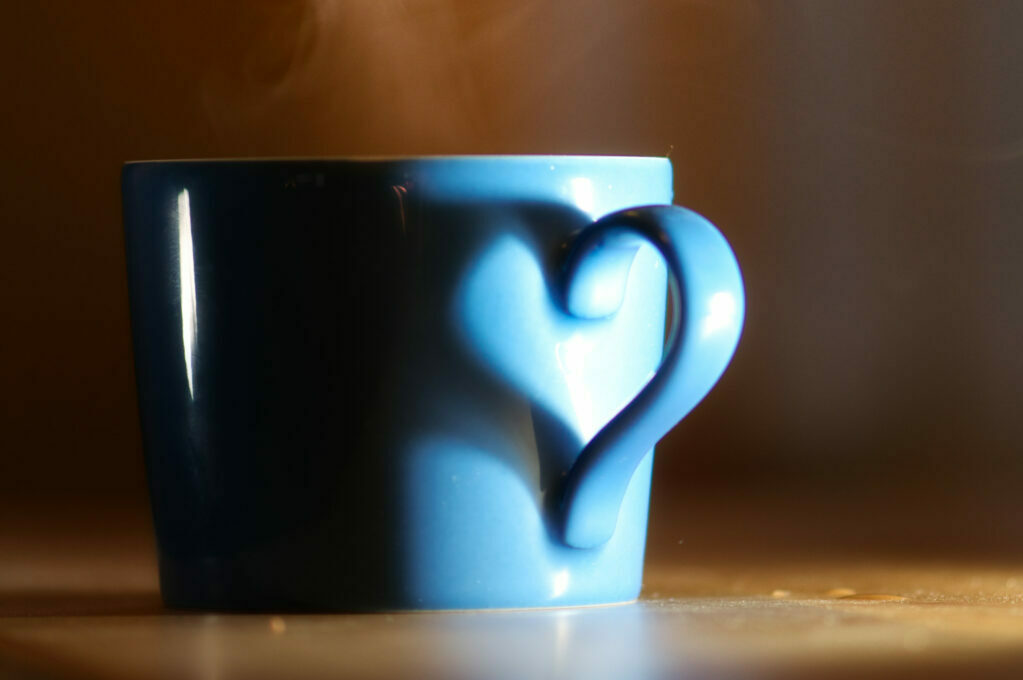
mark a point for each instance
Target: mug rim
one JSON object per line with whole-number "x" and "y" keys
{"x": 399, "y": 159}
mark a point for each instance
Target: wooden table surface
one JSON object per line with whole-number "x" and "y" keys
{"x": 79, "y": 598}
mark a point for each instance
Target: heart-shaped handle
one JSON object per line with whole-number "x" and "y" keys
{"x": 708, "y": 306}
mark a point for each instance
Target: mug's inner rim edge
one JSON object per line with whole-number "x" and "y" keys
{"x": 550, "y": 158}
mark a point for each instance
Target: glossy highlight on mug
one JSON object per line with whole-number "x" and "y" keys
{"x": 189, "y": 317}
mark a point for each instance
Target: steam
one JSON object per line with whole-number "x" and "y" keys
{"x": 367, "y": 75}
{"x": 368, "y": 67}
{"x": 441, "y": 76}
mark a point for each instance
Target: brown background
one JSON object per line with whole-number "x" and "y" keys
{"x": 865, "y": 160}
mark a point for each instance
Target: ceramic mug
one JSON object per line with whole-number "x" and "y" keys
{"x": 422, "y": 383}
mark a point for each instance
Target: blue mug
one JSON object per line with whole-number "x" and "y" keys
{"x": 422, "y": 383}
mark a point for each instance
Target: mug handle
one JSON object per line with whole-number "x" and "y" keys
{"x": 708, "y": 306}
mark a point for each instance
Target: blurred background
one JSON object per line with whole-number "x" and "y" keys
{"x": 864, "y": 159}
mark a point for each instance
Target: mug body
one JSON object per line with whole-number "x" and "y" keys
{"x": 356, "y": 385}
